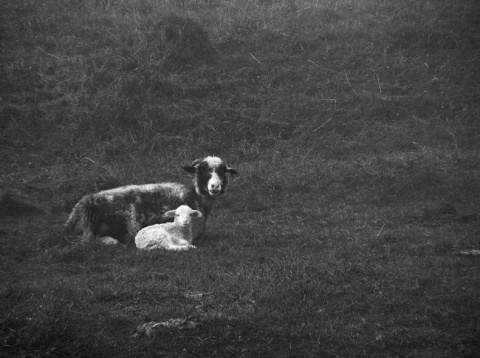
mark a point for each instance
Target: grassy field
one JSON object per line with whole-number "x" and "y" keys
{"x": 354, "y": 126}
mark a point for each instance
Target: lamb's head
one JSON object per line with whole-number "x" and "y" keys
{"x": 183, "y": 215}
{"x": 211, "y": 175}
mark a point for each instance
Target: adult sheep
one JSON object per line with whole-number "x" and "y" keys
{"x": 116, "y": 215}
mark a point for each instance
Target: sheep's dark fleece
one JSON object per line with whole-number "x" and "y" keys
{"x": 118, "y": 214}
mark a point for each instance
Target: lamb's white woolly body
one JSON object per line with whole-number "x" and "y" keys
{"x": 176, "y": 236}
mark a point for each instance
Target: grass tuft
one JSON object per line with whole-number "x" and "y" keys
{"x": 180, "y": 42}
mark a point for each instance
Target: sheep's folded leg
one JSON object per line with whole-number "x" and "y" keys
{"x": 108, "y": 240}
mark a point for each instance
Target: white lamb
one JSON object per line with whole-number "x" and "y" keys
{"x": 176, "y": 236}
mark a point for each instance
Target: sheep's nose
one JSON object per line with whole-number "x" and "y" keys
{"x": 215, "y": 186}
{"x": 215, "y": 189}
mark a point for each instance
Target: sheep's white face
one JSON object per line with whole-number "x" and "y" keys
{"x": 215, "y": 184}
{"x": 183, "y": 215}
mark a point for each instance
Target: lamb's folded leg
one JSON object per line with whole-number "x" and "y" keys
{"x": 173, "y": 247}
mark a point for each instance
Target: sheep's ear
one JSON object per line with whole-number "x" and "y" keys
{"x": 232, "y": 171}
{"x": 192, "y": 169}
{"x": 196, "y": 213}
{"x": 169, "y": 214}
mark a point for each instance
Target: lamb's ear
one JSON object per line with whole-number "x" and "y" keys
{"x": 196, "y": 214}
{"x": 169, "y": 214}
{"x": 232, "y": 171}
